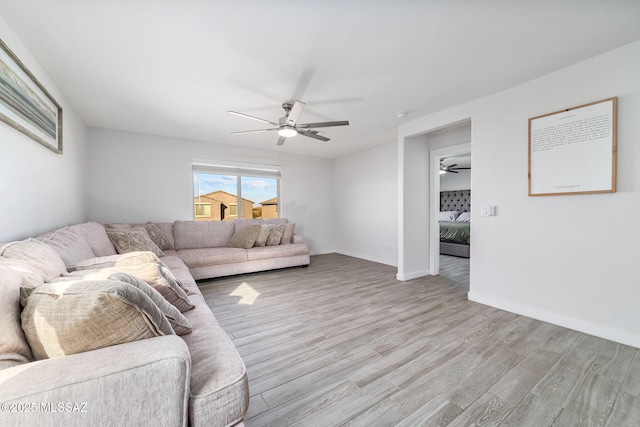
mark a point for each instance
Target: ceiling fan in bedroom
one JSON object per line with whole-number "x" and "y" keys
{"x": 288, "y": 125}
{"x": 451, "y": 168}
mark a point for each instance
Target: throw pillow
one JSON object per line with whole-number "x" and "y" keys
{"x": 130, "y": 240}
{"x": 72, "y": 317}
{"x": 287, "y": 236}
{"x": 158, "y": 237}
{"x": 448, "y": 215}
{"x": 179, "y": 323}
{"x": 265, "y": 230}
{"x": 276, "y": 235}
{"x": 152, "y": 273}
{"x": 245, "y": 237}
{"x": 464, "y": 217}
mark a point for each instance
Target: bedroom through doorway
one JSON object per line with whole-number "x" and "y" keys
{"x": 450, "y": 203}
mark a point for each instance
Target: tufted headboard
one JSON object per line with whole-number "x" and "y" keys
{"x": 458, "y": 200}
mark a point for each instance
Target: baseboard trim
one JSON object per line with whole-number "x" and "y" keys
{"x": 368, "y": 258}
{"x": 581, "y": 325}
{"x": 410, "y": 276}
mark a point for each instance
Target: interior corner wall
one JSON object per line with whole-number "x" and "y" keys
{"x": 40, "y": 190}
{"x": 366, "y": 194}
{"x": 568, "y": 259}
{"x": 138, "y": 178}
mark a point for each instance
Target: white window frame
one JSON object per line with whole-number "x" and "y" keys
{"x": 238, "y": 170}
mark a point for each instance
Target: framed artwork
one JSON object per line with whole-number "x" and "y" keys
{"x": 573, "y": 151}
{"x": 26, "y": 105}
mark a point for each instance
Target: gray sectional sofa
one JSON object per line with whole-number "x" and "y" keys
{"x": 196, "y": 379}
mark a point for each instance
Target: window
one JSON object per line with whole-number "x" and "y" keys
{"x": 224, "y": 192}
{"x": 203, "y": 210}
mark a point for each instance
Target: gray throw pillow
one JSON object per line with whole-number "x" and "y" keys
{"x": 245, "y": 237}
{"x": 265, "y": 230}
{"x": 179, "y": 323}
{"x": 158, "y": 237}
{"x": 134, "y": 239}
{"x": 276, "y": 235}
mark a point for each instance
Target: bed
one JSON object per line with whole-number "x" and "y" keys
{"x": 455, "y": 223}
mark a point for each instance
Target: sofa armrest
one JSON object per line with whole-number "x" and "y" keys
{"x": 297, "y": 238}
{"x": 139, "y": 383}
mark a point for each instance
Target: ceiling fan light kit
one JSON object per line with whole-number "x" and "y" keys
{"x": 287, "y": 132}
{"x": 288, "y": 125}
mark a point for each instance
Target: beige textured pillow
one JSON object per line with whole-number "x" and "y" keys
{"x": 276, "y": 235}
{"x": 158, "y": 236}
{"x": 72, "y": 317}
{"x": 179, "y": 323}
{"x": 133, "y": 239}
{"x": 152, "y": 273}
{"x": 287, "y": 236}
{"x": 265, "y": 230}
{"x": 245, "y": 236}
{"x": 14, "y": 349}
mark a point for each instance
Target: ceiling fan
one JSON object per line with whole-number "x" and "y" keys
{"x": 450, "y": 168}
{"x": 288, "y": 125}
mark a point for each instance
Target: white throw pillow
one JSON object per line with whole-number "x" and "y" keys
{"x": 448, "y": 215}
{"x": 464, "y": 217}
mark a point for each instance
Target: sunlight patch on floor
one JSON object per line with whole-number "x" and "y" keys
{"x": 247, "y": 294}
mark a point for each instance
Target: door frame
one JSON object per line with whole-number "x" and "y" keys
{"x": 434, "y": 198}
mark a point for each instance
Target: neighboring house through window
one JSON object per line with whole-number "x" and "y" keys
{"x": 225, "y": 192}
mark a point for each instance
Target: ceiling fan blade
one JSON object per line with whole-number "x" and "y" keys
{"x": 252, "y": 131}
{"x": 323, "y": 124}
{"x": 281, "y": 140}
{"x": 313, "y": 135}
{"x": 295, "y": 112}
{"x": 452, "y": 171}
{"x": 459, "y": 169}
{"x": 252, "y": 117}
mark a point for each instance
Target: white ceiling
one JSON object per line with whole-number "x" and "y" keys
{"x": 173, "y": 68}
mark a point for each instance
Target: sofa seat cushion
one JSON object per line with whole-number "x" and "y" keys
{"x": 219, "y": 385}
{"x": 268, "y": 252}
{"x": 174, "y": 262}
{"x": 212, "y": 256}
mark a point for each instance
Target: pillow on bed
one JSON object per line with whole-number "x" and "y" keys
{"x": 464, "y": 217}
{"x": 448, "y": 215}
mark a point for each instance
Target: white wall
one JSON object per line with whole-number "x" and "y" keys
{"x": 366, "y": 194}
{"x": 138, "y": 178}
{"x": 40, "y": 190}
{"x": 569, "y": 260}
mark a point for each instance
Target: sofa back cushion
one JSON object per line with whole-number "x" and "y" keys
{"x": 42, "y": 258}
{"x": 96, "y": 236}
{"x": 71, "y": 246}
{"x": 14, "y": 349}
{"x": 202, "y": 234}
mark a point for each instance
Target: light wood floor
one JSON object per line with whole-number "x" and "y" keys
{"x": 343, "y": 343}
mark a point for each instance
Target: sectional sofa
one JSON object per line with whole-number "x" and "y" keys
{"x": 105, "y": 324}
